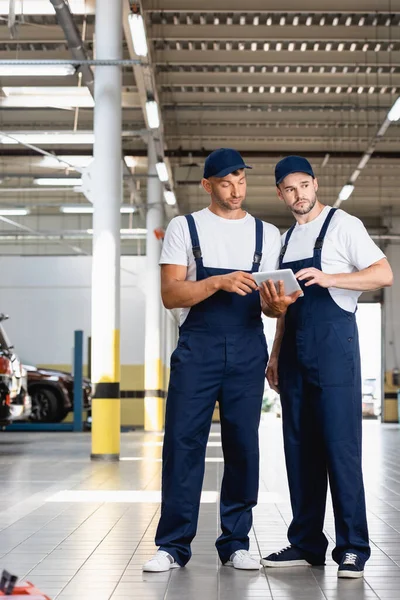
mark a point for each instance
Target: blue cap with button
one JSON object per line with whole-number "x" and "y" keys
{"x": 292, "y": 164}
{"x": 223, "y": 161}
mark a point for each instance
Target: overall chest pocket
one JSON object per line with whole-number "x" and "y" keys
{"x": 337, "y": 349}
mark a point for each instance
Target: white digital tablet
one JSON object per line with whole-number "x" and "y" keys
{"x": 286, "y": 275}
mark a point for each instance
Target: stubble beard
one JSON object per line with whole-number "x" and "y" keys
{"x": 306, "y": 209}
{"x": 226, "y": 206}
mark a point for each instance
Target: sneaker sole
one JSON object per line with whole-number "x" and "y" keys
{"x": 283, "y": 564}
{"x": 229, "y": 563}
{"x": 159, "y": 570}
{"x": 350, "y": 574}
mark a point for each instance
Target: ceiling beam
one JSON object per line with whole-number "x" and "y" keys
{"x": 277, "y": 79}
{"x": 260, "y": 57}
{"x": 279, "y": 6}
{"x": 263, "y": 33}
{"x": 341, "y": 100}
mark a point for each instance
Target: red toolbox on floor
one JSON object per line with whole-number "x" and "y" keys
{"x": 21, "y": 591}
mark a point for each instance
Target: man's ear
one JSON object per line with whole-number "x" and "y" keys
{"x": 278, "y": 191}
{"x": 206, "y": 185}
{"x": 315, "y": 182}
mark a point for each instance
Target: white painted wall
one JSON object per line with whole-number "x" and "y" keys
{"x": 47, "y": 298}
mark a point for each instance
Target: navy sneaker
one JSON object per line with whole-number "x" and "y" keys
{"x": 351, "y": 566}
{"x": 290, "y": 557}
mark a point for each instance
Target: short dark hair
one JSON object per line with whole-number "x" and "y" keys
{"x": 237, "y": 172}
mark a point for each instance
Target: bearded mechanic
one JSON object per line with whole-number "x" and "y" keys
{"x": 315, "y": 365}
{"x": 207, "y": 261}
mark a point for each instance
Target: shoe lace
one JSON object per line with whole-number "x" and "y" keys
{"x": 283, "y": 550}
{"x": 350, "y": 558}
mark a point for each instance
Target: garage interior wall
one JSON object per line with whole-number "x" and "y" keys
{"x": 47, "y": 298}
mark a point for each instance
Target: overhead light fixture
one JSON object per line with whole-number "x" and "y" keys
{"x": 283, "y": 89}
{"x": 47, "y": 96}
{"x": 308, "y": 21}
{"x": 256, "y": 20}
{"x": 53, "y": 138}
{"x": 361, "y": 21}
{"x": 14, "y": 212}
{"x": 378, "y": 47}
{"x": 294, "y": 89}
{"x": 253, "y": 46}
{"x": 250, "y": 89}
{"x": 162, "y": 171}
{"x": 44, "y": 7}
{"x": 363, "y": 161}
{"x": 335, "y": 21}
{"x": 138, "y": 34}
{"x": 316, "y": 46}
{"x": 295, "y": 20}
{"x": 36, "y": 70}
{"x": 394, "y": 113}
{"x": 278, "y": 46}
{"x": 272, "y": 89}
{"x": 169, "y": 197}
{"x": 303, "y": 47}
{"x": 348, "y": 21}
{"x": 58, "y": 181}
{"x": 365, "y": 47}
{"x": 242, "y": 20}
{"x": 63, "y": 161}
{"x": 305, "y": 89}
{"x": 338, "y": 89}
{"x": 136, "y": 232}
{"x": 266, "y": 46}
{"x": 328, "y": 47}
{"x": 282, "y": 21}
{"x": 340, "y": 47}
{"x": 353, "y": 47}
{"x": 269, "y": 21}
{"x": 322, "y": 21}
{"x": 87, "y": 209}
{"x": 153, "y": 117}
{"x": 291, "y": 47}
{"x": 346, "y": 191}
{"x": 360, "y": 89}
{"x": 261, "y": 89}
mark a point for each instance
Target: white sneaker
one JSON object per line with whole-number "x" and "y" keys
{"x": 241, "y": 559}
{"x": 161, "y": 561}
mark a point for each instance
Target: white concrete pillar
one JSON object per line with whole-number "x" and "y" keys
{"x": 153, "y": 368}
{"x": 107, "y": 198}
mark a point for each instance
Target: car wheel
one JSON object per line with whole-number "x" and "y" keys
{"x": 46, "y": 406}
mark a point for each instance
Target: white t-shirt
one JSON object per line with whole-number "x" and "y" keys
{"x": 347, "y": 248}
{"x": 225, "y": 244}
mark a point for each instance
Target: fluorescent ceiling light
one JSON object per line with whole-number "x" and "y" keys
{"x": 77, "y": 209}
{"x": 47, "y": 96}
{"x": 36, "y": 70}
{"x": 394, "y": 113}
{"x": 169, "y": 197}
{"x": 14, "y": 212}
{"x": 162, "y": 171}
{"x": 138, "y": 34}
{"x": 137, "y": 231}
{"x": 82, "y": 209}
{"x": 130, "y": 161}
{"x": 49, "y": 162}
{"x": 153, "y": 118}
{"x": 346, "y": 192}
{"x": 58, "y": 181}
{"x": 44, "y": 7}
{"x": 52, "y": 138}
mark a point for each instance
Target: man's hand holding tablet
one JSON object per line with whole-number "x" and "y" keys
{"x": 275, "y": 299}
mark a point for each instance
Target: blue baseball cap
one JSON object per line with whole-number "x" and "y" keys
{"x": 292, "y": 164}
{"x": 223, "y": 161}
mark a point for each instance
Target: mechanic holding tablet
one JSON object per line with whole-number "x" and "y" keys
{"x": 207, "y": 261}
{"x": 318, "y": 372}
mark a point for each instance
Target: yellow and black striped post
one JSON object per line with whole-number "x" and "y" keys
{"x": 107, "y": 198}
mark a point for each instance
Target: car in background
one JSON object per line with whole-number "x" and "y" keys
{"x": 15, "y": 402}
{"x": 52, "y": 394}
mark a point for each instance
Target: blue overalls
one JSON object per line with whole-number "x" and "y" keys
{"x": 221, "y": 355}
{"x": 320, "y": 387}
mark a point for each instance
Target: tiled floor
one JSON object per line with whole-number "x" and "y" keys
{"x": 81, "y": 530}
